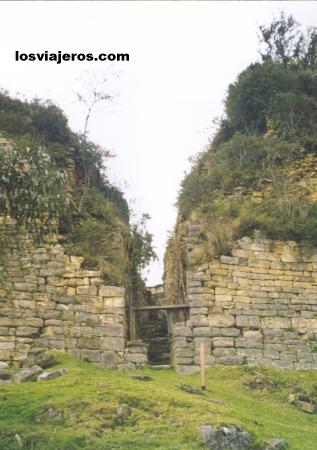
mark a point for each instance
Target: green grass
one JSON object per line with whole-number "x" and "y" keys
{"x": 78, "y": 410}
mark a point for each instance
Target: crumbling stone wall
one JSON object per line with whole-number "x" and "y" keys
{"x": 258, "y": 306}
{"x": 48, "y": 301}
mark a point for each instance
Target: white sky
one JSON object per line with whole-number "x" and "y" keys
{"x": 183, "y": 55}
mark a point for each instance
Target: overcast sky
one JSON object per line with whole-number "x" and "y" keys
{"x": 183, "y": 55}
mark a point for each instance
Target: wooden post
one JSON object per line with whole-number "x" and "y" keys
{"x": 202, "y": 366}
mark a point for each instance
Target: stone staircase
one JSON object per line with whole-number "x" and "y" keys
{"x": 154, "y": 332}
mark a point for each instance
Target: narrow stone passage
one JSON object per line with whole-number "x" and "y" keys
{"x": 155, "y": 333}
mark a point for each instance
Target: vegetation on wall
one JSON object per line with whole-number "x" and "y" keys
{"x": 53, "y": 180}
{"x": 270, "y": 121}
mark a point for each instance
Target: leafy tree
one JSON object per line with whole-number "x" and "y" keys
{"x": 283, "y": 42}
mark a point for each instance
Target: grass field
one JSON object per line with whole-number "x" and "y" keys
{"x": 78, "y": 410}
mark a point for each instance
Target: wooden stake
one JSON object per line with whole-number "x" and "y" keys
{"x": 202, "y": 366}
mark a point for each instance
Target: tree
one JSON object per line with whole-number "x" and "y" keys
{"x": 284, "y": 42}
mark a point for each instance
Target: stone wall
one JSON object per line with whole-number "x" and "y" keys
{"x": 49, "y": 301}
{"x": 257, "y": 307}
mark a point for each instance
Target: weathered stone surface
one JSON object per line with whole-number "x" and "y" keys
{"x": 124, "y": 411}
{"x": 220, "y": 320}
{"x": 42, "y": 358}
{"x": 26, "y": 374}
{"x": 111, "y": 291}
{"x": 187, "y": 370}
{"x": 46, "y": 376}
{"x": 307, "y": 407}
{"x": 225, "y": 437}
{"x": 222, "y": 342}
{"x": 277, "y": 444}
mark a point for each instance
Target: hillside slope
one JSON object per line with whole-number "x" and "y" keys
{"x": 79, "y": 410}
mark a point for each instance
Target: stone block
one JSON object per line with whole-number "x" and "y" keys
{"x": 224, "y": 352}
{"x": 222, "y": 342}
{"x": 136, "y": 358}
{"x": 182, "y": 331}
{"x": 111, "y": 291}
{"x": 112, "y": 343}
{"x": 186, "y": 370}
{"x": 88, "y": 342}
{"x": 26, "y": 331}
{"x": 231, "y": 360}
{"x": 108, "y": 358}
{"x": 230, "y": 332}
{"x": 202, "y": 331}
{"x": 221, "y": 320}
{"x": 183, "y": 353}
{"x": 87, "y": 290}
{"x": 90, "y": 355}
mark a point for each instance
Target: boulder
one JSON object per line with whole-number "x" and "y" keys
{"x": 39, "y": 357}
{"x": 124, "y": 411}
{"x": 27, "y": 374}
{"x": 225, "y": 437}
{"x": 46, "y": 376}
{"x": 3, "y": 365}
{"x": 276, "y": 444}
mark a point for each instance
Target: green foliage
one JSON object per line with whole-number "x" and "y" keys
{"x": 42, "y": 120}
{"x": 31, "y": 186}
{"x": 270, "y": 120}
{"x": 286, "y": 44}
{"x": 289, "y": 220}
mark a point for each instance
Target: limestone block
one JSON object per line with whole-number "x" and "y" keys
{"x": 224, "y": 351}
{"x": 231, "y": 360}
{"x": 111, "y": 291}
{"x": 186, "y": 370}
{"x": 229, "y": 259}
{"x": 112, "y": 343}
{"x": 84, "y": 317}
{"x": 221, "y": 320}
{"x": 109, "y": 358}
{"x": 137, "y": 358}
{"x": 5, "y": 355}
{"x": 77, "y": 260}
{"x": 271, "y": 354}
{"x": 199, "y": 320}
{"x": 210, "y": 360}
{"x": 222, "y": 342}
{"x": 183, "y": 353}
{"x": 283, "y": 364}
{"x": 88, "y": 342}
{"x": 201, "y": 303}
{"x": 215, "y": 331}
{"x": 26, "y": 331}
{"x": 87, "y": 290}
{"x": 230, "y": 332}
{"x": 113, "y": 330}
{"x": 7, "y": 345}
{"x": 90, "y": 355}
{"x": 34, "y": 322}
{"x": 276, "y": 322}
{"x": 202, "y": 331}
{"x": 199, "y": 311}
{"x": 250, "y": 352}
{"x": 183, "y": 361}
{"x": 252, "y": 334}
{"x": 25, "y": 287}
{"x": 58, "y": 344}
{"x": 24, "y": 304}
{"x": 49, "y": 314}
{"x": 303, "y": 323}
